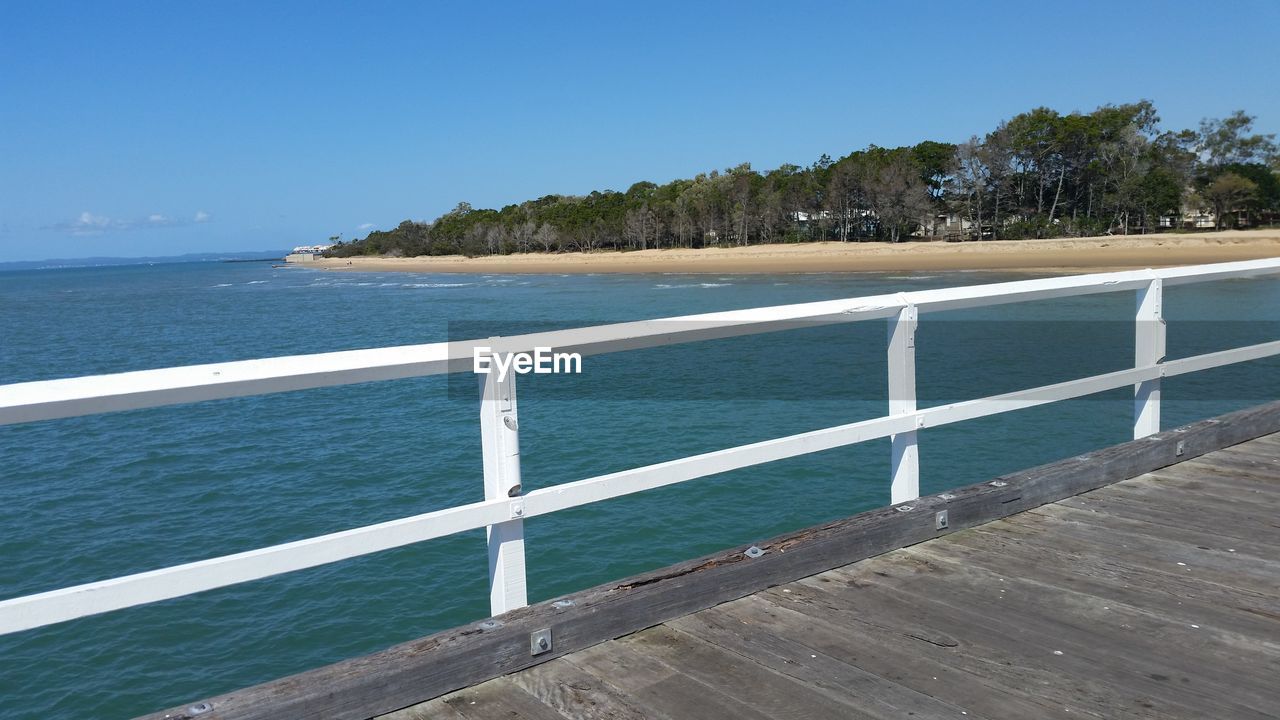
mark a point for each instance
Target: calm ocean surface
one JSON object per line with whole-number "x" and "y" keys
{"x": 97, "y": 497}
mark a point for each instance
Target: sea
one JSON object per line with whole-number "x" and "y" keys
{"x": 97, "y": 497}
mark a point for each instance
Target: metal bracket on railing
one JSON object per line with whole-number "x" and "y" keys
{"x": 540, "y": 641}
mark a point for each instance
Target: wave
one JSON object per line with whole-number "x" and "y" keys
{"x": 681, "y": 286}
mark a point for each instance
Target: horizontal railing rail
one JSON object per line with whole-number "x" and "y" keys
{"x": 506, "y": 507}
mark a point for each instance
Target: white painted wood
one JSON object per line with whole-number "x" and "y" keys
{"x": 1149, "y": 349}
{"x": 500, "y": 441}
{"x": 905, "y": 460}
{"x": 52, "y": 399}
{"x": 80, "y": 396}
{"x": 69, "y": 603}
{"x": 32, "y": 611}
{"x": 1208, "y": 361}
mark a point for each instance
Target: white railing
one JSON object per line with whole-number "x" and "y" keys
{"x": 505, "y": 507}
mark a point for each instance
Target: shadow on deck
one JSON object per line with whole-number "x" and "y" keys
{"x": 1140, "y": 581}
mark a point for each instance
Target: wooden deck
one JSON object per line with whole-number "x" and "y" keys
{"x": 1154, "y": 597}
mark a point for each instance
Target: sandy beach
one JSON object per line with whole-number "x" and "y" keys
{"x": 1079, "y": 254}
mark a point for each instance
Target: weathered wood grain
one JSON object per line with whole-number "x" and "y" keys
{"x": 752, "y": 635}
{"x": 436, "y": 665}
{"x": 777, "y": 695}
{"x": 658, "y": 686}
{"x": 976, "y": 667}
{"x": 1123, "y": 642}
{"x": 1114, "y": 578}
{"x": 1085, "y": 670}
{"x": 578, "y": 695}
{"x": 498, "y": 698}
{"x": 1126, "y": 512}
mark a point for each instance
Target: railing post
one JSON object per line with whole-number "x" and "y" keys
{"x": 500, "y": 440}
{"x": 1149, "y": 349}
{"x": 905, "y": 471}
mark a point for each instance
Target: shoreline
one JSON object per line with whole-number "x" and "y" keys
{"x": 1051, "y": 255}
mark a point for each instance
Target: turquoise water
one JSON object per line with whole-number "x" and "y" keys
{"x": 97, "y": 497}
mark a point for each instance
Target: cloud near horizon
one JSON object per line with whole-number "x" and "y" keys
{"x": 89, "y": 224}
{"x": 365, "y": 227}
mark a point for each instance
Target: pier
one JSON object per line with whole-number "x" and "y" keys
{"x": 1154, "y": 597}
{"x": 1138, "y": 580}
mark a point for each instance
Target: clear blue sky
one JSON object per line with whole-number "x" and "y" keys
{"x": 172, "y": 127}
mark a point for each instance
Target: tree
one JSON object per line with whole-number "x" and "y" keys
{"x": 1227, "y": 193}
{"x": 1230, "y": 141}
{"x": 1039, "y": 174}
{"x": 937, "y": 163}
{"x": 547, "y": 238}
{"x": 897, "y": 195}
{"x": 523, "y": 235}
{"x": 639, "y": 226}
{"x": 972, "y": 177}
{"x": 1034, "y": 140}
{"x": 997, "y": 156}
{"x": 845, "y": 194}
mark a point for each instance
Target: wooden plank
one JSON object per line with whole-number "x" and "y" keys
{"x": 1120, "y": 609}
{"x": 494, "y": 700}
{"x": 1265, "y": 458}
{"x": 659, "y": 687}
{"x": 1122, "y": 644}
{"x": 434, "y": 709}
{"x": 1188, "y": 524}
{"x": 1260, "y": 601}
{"x": 752, "y": 635}
{"x": 578, "y": 695}
{"x": 1113, "y": 575}
{"x": 929, "y": 667}
{"x": 1156, "y": 489}
{"x": 961, "y": 659}
{"x": 1087, "y": 670}
{"x": 1236, "y": 465}
{"x": 1214, "y": 478}
{"x": 1265, "y": 445}
{"x": 1237, "y": 570}
{"x": 777, "y": 695}
{"x": 438, "y": 664}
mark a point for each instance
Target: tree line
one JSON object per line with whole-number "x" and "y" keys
{"x": 1039, "y": 174}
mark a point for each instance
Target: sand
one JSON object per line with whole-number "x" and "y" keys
{"x": 1075, "y": 254}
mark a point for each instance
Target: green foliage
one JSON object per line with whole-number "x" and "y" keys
{"x": 1040, "y": 174}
